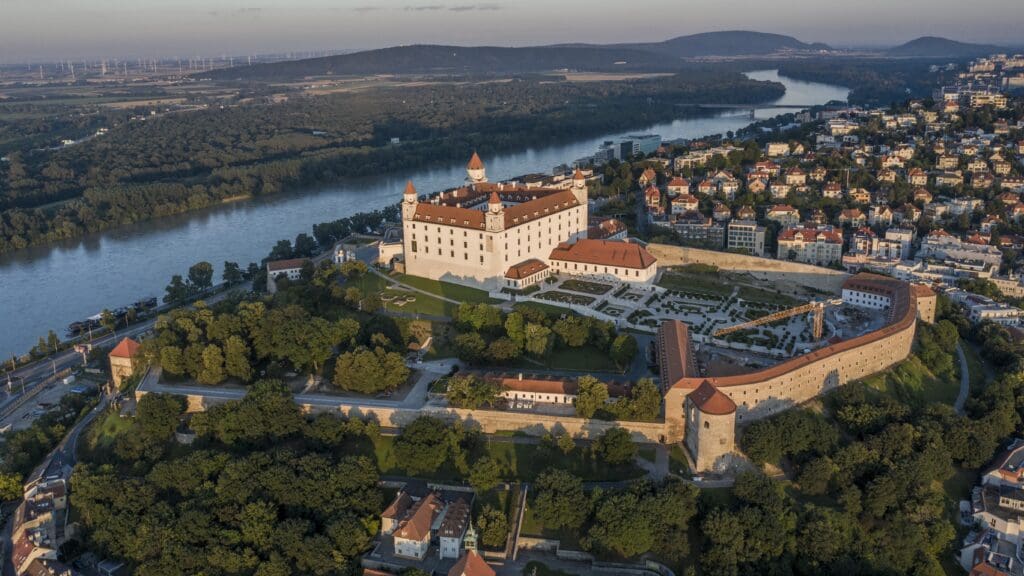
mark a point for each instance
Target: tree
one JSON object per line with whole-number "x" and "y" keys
{"x": 560, "y": 500}
{"x": 200, "y": 275}
{"x": 503, "y": 350}
{"x": 565, "y": 443}
{"x": 590, "y": 397}
{"x": 236, "y": 359}
{"x": 423, "y": 446}
{"x": 370, "y": 371}
{"x": 815, "y": 476}
{"x": 232, "y": 273}
{"x": 573, "y": 331}
{"x": 177, "y": 290}
{"x": 539, "y": 339}
{"x": 212, "y": 371}
{"x": 10, "y": 486}
{"x": 172, "y": 361}
{"x": 471, "y": 392}
{"x": 470, "y": 347}
{"x": 493, "y": 525}
{"x": 623, "y": 350}
{"x": 644, "y": 402}
{"x": 484, "y": 475}
{"x": 616, "y": 447}
{"x": 352, "y": 269}
{"x": 108, "y": 321}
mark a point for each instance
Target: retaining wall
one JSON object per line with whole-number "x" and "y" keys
{"x": 765, "y": 269}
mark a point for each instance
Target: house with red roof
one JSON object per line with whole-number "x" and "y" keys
{"x": 124, "y": 360}
{"x": 605, "y": 259}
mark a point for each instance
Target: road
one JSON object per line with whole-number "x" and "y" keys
{"x": 63, "y": 457}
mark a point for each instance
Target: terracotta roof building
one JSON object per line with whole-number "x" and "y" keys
{"x": 474, "y": 234}
{"x": 123, "y": 360}
{"x": 471, "y": 564}
{"x": 623, "y": 261}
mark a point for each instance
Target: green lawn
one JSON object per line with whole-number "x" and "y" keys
{"x": 911, "y": 381}
{"x": 447, "y": 289}
{"x": 102, "y": 433}
{"x": 751, "y": 294}
{"x": 677, "y": 460}
{"x": 549, "y": 309}
{"x": 698, "y": 283}
{"x": 585, "y": 358}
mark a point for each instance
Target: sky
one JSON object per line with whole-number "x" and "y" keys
{"x": 75, "y": 29}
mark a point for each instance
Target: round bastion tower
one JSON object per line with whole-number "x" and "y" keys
{"x": 475, "y": 172}
{"x": 710, "y": 427}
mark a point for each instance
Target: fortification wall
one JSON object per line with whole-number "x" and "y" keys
{"x": 770, "y": 391}
{"x": 764, "y": 269}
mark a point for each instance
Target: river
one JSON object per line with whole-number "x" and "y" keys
{"x": 47, "y": 287}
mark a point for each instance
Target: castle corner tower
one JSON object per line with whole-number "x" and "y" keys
{"x": 409, "y": 201}
{"x": 495, "y": 213}
{"x": 475, "y": 172}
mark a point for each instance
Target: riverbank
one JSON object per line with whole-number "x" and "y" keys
{"x": 46, "y": 287}
{"x": 183, "y": 163}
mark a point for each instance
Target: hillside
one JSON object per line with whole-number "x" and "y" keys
{"x": 454, "y": 60}
{"x": 935, "y": 47}
{"x": 488, "y": 60}
{"x": 727, "y": 43}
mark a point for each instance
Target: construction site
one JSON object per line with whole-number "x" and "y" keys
{"x": 741, "y": 328}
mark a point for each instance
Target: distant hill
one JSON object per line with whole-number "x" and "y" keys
{"x": 728, "y": 43}
{"x": 935, "y": 47}
{"x": 433, "y": 59}
{"x": 456, "y": 60}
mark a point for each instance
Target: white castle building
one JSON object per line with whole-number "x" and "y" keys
{"x": 496, "y": 235}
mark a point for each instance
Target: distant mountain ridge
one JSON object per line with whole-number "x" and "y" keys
{"x": 727, "y": 43}
{"x": 937, "y": 47}
{"x": 438, "y": 59}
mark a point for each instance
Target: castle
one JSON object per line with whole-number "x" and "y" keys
{"x": 509, "y": 235}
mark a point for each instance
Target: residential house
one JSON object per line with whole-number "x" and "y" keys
{"x": 820, "y": 247}
{"x": 684, "y": 203}
{"x": 648, "y": 177}
{"x": 852, "y": 217}
{"x": 917, "y": 177}
{"x": 784, "y": 214}
{"x": 796, "y": 177}
{"x": 832, "y": 190}
{"x": 678, "y": 186}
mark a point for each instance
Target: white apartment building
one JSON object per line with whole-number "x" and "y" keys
{"x": 820, "y": 247}
{"x": 747, "y": 236}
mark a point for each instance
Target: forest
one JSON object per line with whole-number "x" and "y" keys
{"x": 172, "y": 163}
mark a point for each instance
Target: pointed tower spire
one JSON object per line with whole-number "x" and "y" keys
{"x": 410, "y": 190}
{"x": 475, "y": 172}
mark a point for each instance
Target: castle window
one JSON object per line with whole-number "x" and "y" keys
{"x": 707, "y": 425}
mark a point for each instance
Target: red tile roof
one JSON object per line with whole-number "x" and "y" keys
{"x": 471, "y": 564}
{"x": 475, "y": 163}
{"x": 127, "y": 348}
{"x": 278, "y": 265}
{"x": 605, "y": 253}
{"x": 525, "y": 269}
{"x": 409, "y": 188}
{"x": 533, "y": 204}
{"x": 421, "y": 518}
{"x": 711, "y": 400}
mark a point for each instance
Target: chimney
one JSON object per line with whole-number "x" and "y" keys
{"x": 520, "y": 376}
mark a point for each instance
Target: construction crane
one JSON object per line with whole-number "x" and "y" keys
{"x": 815, "y": 309}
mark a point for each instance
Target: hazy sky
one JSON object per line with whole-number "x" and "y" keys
{"x": 32, "y": 29}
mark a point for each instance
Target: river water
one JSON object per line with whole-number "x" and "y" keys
{"x": 47, "y": 287}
